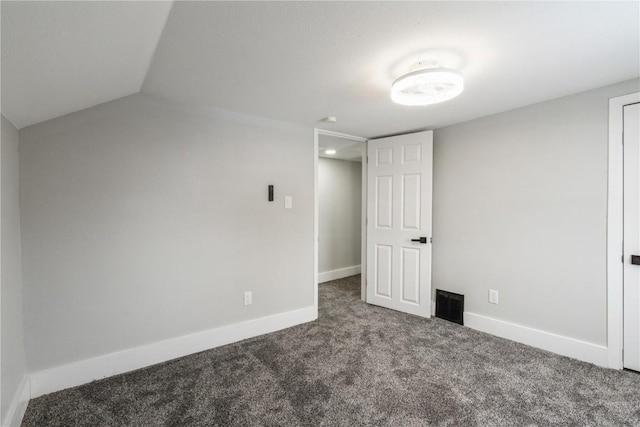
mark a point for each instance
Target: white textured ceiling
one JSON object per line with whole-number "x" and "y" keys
{"x": 346, "y": 149}
{"x": 60, "y": 57}
{"x": 303, "y": 61}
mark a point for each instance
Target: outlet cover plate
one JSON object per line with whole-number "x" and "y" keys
{"x": 493, "y": 296}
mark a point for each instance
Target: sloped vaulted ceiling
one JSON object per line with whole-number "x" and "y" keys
{"x": 302, "y": 61}
{"x": 61, "y": 57}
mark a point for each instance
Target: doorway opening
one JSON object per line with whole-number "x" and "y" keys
{"x": 340, "y": 223}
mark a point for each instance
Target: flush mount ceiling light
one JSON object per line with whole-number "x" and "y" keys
{"x": 330, "y": 151}
{"x": 427, "y": 86}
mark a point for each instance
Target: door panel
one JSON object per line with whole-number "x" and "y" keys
{"x": 384, "y": 156}
{"x": 384, "y": 202}
{"x": 411, "y": 154}
{"x": 399, "y": 210}
{"x": 383, "y": 267}
{"x": 410, "y": 202}
{"x": 410, "y": 276}
{"x": 631, "y": 246}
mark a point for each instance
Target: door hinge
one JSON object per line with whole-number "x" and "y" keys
{"x": 430, "y": 239}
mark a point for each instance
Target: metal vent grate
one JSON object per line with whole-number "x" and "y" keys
{"x": 449, "y": 306}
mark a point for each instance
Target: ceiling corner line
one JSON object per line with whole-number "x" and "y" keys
{"x": 155, "y": 48}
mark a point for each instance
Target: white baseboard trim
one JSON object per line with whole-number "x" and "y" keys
{"x": 433, "y": 308}
{"x": 84, "y": 371}
{"x": 18, "y": 406}
{"x": 340, "y": 273}
{"x": 565, "y": 346}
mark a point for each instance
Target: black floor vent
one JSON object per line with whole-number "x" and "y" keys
{"x": 449, "y": 306}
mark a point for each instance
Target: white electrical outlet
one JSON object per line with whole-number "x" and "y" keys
{"x": 493, "y": 296}
{"x": 288, "y": 202}
{"x": 248, "y": 298}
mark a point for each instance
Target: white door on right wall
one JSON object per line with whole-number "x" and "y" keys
{"x": 631, "y": 242}
{"x": 399, "y": 180}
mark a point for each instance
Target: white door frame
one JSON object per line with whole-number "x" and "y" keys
{"x": 363, "y": 262}
{"x": 615, "y": 229}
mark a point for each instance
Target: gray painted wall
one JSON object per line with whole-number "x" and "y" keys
{"x": 143, "y": 221}
{"x": 12, "y": 359}
{"x": 339, "y": 214}
{"x": 520, "y": 206}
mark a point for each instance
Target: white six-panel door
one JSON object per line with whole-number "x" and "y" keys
{"x": 398, "y": 210}
{"x": 631, "y": 242}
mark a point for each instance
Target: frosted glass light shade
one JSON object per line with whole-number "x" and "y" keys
{"x": 427, "y": 86}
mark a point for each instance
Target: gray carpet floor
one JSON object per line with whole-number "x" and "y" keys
{"x": 356, "y": 365}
